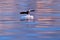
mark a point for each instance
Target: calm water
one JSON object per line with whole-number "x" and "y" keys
{"x": 46, "y": 25}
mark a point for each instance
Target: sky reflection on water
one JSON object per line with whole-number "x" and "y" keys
{"x": 46, "y": 25}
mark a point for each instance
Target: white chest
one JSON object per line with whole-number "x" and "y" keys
{"x": 27, "y": 17}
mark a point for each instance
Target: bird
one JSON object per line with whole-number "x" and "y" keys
{"x": 27, "y": 12}
{"x": 28, "y": 16}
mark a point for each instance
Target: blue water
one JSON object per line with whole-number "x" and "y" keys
{"x": 13, "y": 28}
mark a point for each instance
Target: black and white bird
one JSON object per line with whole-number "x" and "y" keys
{"x": 28, "y": 16}
{"x": 27, "y": 12}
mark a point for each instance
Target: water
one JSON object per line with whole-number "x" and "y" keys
{"x": 46, "y": 25}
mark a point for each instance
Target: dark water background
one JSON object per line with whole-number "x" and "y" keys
{"x": 46, "y": 25}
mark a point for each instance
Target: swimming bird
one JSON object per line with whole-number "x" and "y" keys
{"x": 28, "y": 16}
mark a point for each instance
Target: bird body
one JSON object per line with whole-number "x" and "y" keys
{"x": 28, "y": 16}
